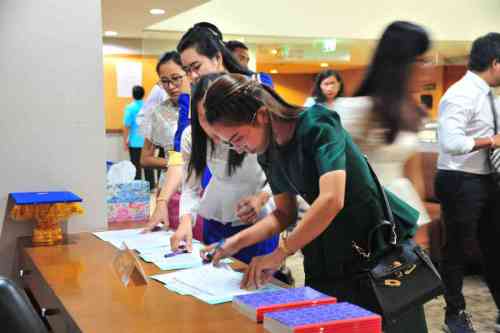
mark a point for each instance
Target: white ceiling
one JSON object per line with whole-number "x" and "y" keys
{"x": 130, "y": 17}
{"x": 449, "y": 20}
{"x": 358, "y": 19}
{"x": 295, "y": 27}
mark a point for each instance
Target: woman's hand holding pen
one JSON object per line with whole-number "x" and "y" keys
{"x": 183, "y": 234}
{"x": 217, "y": 251}
{"x": 261, "y": 269}
{"x": 160, "y": 215}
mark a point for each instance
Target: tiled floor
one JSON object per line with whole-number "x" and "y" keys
{"x": 479, "y": 302}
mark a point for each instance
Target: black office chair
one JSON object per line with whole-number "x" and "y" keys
{"x": 16, "y": 312}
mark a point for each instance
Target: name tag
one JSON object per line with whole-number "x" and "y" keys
{"x": 128, "y": 267}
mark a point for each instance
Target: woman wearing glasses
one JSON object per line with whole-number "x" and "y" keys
{"x": 234, "y": 199}
{"x": 161, "y": 128}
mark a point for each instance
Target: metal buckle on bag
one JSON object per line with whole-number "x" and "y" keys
{"x": 392, "y": 283}
{"x": 361, "y": 251}
{"x": 410, "y": 270}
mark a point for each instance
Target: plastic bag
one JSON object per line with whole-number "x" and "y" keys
{"x": 121, "y": 172}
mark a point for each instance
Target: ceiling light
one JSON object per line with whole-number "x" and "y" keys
{"x": 157, "y": 11}
{"x": 323, "y": 64}
{"x": 273, "y": 71}
{"x": 274, "y": 51}
{"x": 110, "y": 33}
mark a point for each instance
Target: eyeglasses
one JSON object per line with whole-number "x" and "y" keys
{"x": 175, "y": 80}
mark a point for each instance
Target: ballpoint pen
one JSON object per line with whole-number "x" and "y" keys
{"x": 180, "y": 250}
{"x": 209, "y": 256}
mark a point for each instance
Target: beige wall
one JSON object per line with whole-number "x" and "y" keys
{"x": 294, "y": 88}
{"x": 52, "y": 109}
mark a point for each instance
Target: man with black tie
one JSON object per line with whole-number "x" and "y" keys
{"x": 470, "y": 200}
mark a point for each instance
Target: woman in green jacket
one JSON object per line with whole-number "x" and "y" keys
{"x": 305, "y": 152}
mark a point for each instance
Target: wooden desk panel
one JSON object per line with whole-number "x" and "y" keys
{"x": 80, "y": 274}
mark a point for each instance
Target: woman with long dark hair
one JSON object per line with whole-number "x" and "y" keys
{"x": 328, "y": 85}
{"x": 306, "y": 152}
{"x": 235, "y": 196}
{"x": 383, "y": 118}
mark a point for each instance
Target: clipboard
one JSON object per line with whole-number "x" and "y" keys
{"x": 128, "y": 267}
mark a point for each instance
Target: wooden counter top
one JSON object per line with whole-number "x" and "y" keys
{"x": 81, "y": 276}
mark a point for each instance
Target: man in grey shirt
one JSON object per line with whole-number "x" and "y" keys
{"x": 469, "y": 198}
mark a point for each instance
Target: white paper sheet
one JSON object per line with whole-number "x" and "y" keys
{"x": 117, "y": 234}
{"x": 210, "y": 284}
{"x": 134, "y": 238}
{"x": 128, "y": 75}
{"x": 179, "y": 261}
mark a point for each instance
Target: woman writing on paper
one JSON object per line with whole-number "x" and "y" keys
{"x": 305, "y": 152}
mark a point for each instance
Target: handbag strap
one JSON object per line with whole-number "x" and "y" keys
{"x": 389, "y": 221}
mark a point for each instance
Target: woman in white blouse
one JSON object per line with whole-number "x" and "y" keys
{"x": 234, "y": 199}
{"x": 383, "y": 119}
{"x": 159, "y": 128}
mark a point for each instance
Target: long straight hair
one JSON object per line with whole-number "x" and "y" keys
{"x": 200, "y": 140}
{"x": 207, "y": 40}
{"x": 234, "y": 99}
{"x": 387, "y": 78}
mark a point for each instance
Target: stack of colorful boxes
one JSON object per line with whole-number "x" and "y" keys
{"x": 128, "y": 201}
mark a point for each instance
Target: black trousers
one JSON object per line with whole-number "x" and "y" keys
{"x": 470, "y": 206}
{"x": 135, "y": 158}
{"x": 348, "y": 289}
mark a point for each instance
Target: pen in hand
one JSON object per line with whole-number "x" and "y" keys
{"x": 180, "y": 250}
{"x": 209, "y": 256}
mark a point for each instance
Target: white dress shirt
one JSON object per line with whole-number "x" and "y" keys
{"x": 221, "y": 196}
{"x": 464, "y": 115}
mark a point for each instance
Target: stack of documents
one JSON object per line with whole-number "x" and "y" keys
{"x": 135, "y": 239}
{"x": 208, "y": 283}
{"x": 153, "y": 247}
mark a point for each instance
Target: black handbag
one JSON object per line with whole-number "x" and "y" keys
{"x": 402, "y": 276}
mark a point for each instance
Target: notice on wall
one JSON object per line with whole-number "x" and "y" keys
{"x": 128, "y": 75}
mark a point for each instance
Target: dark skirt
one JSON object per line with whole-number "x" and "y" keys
{"x": 214, "y": 231}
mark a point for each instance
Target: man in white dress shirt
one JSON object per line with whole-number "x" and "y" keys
{"x": 469, "y": 198}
